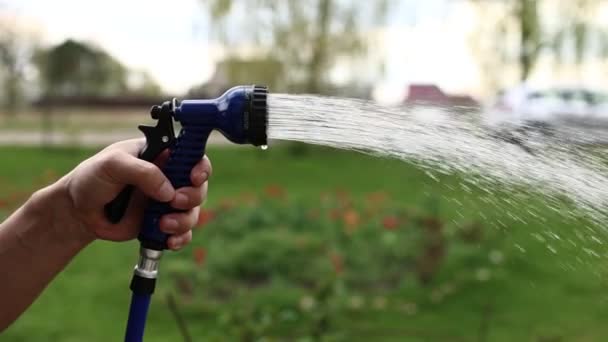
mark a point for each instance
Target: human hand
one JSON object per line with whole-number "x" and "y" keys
{"x": 98, "y": 180}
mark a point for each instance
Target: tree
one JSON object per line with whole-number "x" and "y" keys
{"x": 516, "y": 32}
{"x": 501, "y": 23}
{"x": 579, "y": 35}
{"x": 16, "y": 48}
{"x": 305, "y": 37}
{"x": 236, "y": 70}
{"x": 526, "y": 12}
{"x": 77, "y": 69}
{"x": 143, "y": 84}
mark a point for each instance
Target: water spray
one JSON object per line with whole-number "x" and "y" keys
{"x": 241, "y": 115}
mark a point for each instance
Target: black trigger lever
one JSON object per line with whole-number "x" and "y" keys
{"x": 158, "y": 138}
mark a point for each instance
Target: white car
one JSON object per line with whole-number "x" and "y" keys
{"x": 525, "y": 106}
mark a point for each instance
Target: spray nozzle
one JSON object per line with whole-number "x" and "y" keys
{"x": 240, "y": 114}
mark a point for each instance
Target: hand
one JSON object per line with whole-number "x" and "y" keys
{"x": 98, "y": 180}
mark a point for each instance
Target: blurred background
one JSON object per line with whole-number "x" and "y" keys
{"x": 305, "y": 243}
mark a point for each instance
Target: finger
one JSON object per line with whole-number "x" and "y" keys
{"x": 201, "y": 172}
{"x": 162, "y": 158}
{"x": 176, "y": 242}
{"x": 122, "y": 168}
{"x": 179, "y": 223}
{"x": 134, "y": 147}
{"x": 189, "y": 197}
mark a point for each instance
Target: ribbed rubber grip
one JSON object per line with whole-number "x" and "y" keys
{"x": 188, "y": 150}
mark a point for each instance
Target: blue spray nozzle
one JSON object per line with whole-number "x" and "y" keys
{"x": 240, "y": 114}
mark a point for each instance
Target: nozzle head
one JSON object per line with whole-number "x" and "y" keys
{"x": 257, "y": 121}
{"x": 240, "y": 114}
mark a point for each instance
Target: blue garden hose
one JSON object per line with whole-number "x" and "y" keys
{"x": 240, "y": 115}
{"x": 138, "y": 313}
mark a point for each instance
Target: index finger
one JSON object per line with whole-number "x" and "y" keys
{"x": 201, "y": 172}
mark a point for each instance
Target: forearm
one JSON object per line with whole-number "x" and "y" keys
{"x": 36, "y": 243}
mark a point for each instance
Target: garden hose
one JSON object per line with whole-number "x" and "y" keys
{"x": 240, "y": 115}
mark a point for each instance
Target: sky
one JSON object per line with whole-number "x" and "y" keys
{"x": 422, "y": 41}
{"x": 165, "y": 38}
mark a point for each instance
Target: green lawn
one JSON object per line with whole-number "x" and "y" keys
{"x": 535, "y": 294}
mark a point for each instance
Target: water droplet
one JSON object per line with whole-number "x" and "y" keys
{"x": 264, "y": 147}
{"x": 521, "y": 249}
{"x": 432, "y": 176}
{"x": 596, "y": 240}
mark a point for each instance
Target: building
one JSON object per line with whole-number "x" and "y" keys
{"x": 430, "y": 94}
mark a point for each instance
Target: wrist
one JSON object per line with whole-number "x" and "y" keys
{"x": 54, "y": 207}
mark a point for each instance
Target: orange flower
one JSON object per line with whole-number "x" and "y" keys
{"x": 337, "y": 262}
{"x": 377, "y": 198}
{"x": 226, "y": 204}
{"x": 205, "y": 216}
{"x": 344, "y": 199}
{"x": 351, "y": 219}
{"x": 342, "y": 194}
{"x": 275, "y": 191}
{"x": 390, "y": 222}
{"x": 199, "y": 254}
{"x": 334, "y": 214}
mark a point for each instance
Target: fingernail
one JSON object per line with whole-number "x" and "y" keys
{"x": 171, "y": 224}
{"x": 178, "y": 243}
{"x": 166, "y": 191}
{"x": 181, "y": 199}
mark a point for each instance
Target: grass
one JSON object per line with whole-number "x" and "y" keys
{"x": 536, "y": 295}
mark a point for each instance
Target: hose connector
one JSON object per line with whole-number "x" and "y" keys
{"x": 146, "y": 271}
{"x": 147, "y": 266}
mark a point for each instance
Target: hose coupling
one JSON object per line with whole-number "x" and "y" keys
{"x": 147, "y": 266}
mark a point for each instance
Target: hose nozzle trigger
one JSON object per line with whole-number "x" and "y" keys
{"x": 158, "y": 138}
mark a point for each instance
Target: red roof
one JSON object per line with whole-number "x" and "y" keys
{"x": 432, "y": 94}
